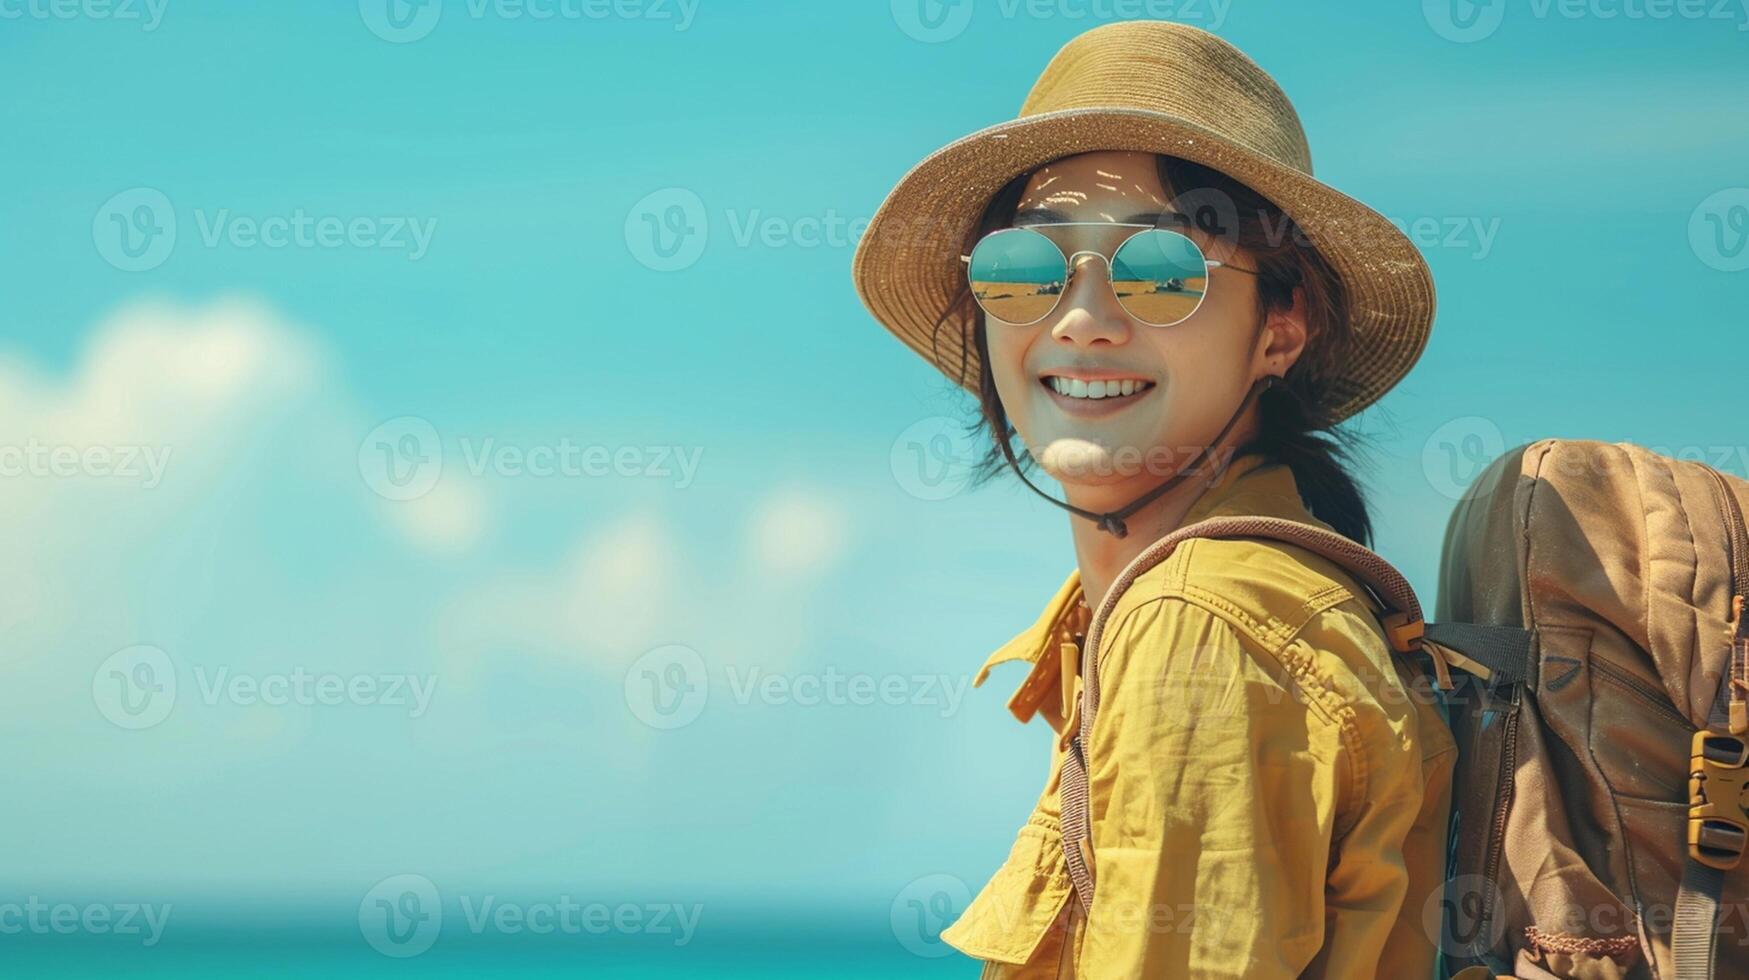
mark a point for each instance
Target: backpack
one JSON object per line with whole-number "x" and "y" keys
{"x": 1590, "y": 610}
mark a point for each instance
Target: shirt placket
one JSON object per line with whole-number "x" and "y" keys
{"x": 1071, "y": 633}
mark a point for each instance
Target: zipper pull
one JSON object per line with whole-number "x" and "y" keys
{"x": 1738, "y": 670}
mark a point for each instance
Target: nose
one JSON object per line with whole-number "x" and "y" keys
{"x": 1090, "y": 313}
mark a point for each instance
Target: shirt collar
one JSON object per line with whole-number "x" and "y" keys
{"x": 1250, "y": 484}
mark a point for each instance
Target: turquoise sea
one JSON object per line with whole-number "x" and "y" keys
{"x": 221, "y": 953}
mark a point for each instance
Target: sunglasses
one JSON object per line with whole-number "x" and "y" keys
{"x": 1018, "y": 275}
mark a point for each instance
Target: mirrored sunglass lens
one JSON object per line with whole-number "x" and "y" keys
{"x": 1017, "y": 275}
{"x": 1159, "y": 276}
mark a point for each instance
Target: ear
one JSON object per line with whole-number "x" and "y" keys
{"x": 1282, "y": 339}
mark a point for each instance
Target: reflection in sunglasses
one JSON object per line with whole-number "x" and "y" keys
{"x": 1018, "y": 275}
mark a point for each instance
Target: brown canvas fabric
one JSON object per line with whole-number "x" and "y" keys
{"x": 1572, "y": 792}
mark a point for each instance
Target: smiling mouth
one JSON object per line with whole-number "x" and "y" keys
{"x": 1096, "y": 390}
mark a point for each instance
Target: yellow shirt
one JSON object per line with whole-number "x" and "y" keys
{"x": 1269, "y": 787}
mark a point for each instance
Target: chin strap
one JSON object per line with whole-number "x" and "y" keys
{"x": 1112, "y": 522}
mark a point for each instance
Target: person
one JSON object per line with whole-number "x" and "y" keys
{"x": 1266, "y": 787}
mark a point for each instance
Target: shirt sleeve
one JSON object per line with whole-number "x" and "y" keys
{"x": 1248, "y": 807}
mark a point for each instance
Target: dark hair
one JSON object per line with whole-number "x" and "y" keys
{"x": 1294, "y": 424}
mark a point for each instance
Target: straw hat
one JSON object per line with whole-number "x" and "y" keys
{"x": 1165, "y": 88}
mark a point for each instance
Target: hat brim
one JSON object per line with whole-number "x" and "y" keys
{"x": 907, "y": 267}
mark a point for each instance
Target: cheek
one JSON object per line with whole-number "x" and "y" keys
{"x": 1008, "y": 346}
{"x": 1203, "y": 362}
{"x": 1226, "y": 318}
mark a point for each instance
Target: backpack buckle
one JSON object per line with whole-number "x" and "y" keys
{"x": 1403, "y": 631}
{"x": 1718, "y": 799}
{"x": 1407, "y": 634}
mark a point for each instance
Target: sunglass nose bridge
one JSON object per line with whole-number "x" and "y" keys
{"x": 1075, "y": 260}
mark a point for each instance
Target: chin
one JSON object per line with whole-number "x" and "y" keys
{"x": 1082, "y": 461}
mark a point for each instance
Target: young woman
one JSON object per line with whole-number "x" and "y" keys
{"x": 1145, "y": 288}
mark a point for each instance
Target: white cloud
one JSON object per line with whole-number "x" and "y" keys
{"x": 621, "y": 582}
{"x": 633, "y": 584}
{"x": 148, "y": 423}
{"x": 597, "y": 608}
{"x": 795, "y": 532}
{"x": 159, "y": 375}
{"x": 448, "y": 520}
{"x": 239, "y": 402}
{"x": 173, "y": 420}
{"x": 184, "y": 396}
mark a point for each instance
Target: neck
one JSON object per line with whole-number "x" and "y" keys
{"x": 1102, "y": 557}
{"x": 1155, "y": 512}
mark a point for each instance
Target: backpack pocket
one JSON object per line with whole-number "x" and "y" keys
{"x": 1637, "y": 737}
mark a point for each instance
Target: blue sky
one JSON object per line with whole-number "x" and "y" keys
{"x": 1574, "y": 173}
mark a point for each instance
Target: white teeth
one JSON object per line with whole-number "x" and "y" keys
{"x": 1075, "y": 388}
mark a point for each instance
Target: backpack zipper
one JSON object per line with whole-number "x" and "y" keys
{"x": 1737, "y": 541}
{"x": 1655, "y": 697}
{"x": 1503, "y": 793}
{"x": 1737, "y": 549}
